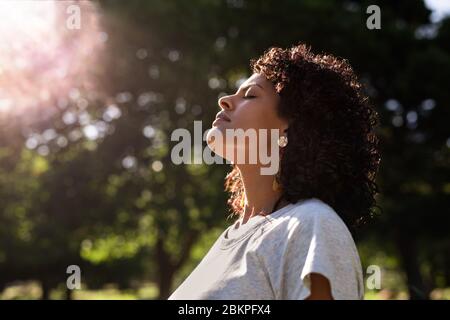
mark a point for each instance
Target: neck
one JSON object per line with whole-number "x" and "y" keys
{"x": 260, "y": 197}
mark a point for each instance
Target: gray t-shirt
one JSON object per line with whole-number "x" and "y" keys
{"x": 271, "y": 257}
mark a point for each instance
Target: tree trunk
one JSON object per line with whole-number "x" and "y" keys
{"x": 165, "y": 283}
{"x": 167, "y": 266}
{"x": 408, "y": 254}
{"x": 165, "y": 270}
{"x": 447, "y": 269}
{"x": 45, "y": 290}
{"x": 69, "y": 294}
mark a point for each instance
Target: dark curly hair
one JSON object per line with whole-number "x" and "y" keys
{"x": 333, "y": 152}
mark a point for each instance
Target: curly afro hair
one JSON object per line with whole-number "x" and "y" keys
{"x": 333, "y": 152}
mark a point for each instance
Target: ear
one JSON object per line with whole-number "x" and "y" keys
{"x": 284, "y": 128}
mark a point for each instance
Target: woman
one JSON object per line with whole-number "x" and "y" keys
{"x": 291, "y": 239}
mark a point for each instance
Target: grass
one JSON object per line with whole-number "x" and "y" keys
{"x": 32, "y": 290}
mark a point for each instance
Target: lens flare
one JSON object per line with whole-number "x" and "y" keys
{"x": 44, "y": 54}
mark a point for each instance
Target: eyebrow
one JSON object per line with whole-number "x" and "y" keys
{"x": 250, "y": 85}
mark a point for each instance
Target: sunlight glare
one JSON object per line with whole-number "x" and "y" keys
{"x": 41, "y": 59}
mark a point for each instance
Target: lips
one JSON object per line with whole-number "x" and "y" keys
{"x": 222, "y": 116}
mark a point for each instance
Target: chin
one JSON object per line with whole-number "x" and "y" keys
{"x": 215, "y": 140}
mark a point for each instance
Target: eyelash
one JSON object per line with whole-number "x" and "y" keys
{"x": 249, "y": 97}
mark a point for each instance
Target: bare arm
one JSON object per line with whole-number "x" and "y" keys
{"x": 320, "y": 288}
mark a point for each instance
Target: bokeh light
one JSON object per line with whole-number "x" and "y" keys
{"x": 44, "y": 54}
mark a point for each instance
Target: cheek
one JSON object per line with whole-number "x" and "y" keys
{"x": 254, "y": 116}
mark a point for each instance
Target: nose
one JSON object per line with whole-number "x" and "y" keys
{"x": 225, "y": 103}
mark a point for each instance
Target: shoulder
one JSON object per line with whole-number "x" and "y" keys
{"x": 309, "y": 238}
{"x": 312, "y": 215}
{"x": 313, "y": 210}
{"x": 305, "y": 221}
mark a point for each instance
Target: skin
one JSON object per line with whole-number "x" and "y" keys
{"x": 254, "y": 105}
{"x": 320, "y": 288}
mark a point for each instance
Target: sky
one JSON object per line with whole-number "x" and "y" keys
{"x": 440, "y": 8}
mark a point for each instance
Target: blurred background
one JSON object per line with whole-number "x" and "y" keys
{"x": 91, "y": 91}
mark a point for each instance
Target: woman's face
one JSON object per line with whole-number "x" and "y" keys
{"x": 253, "y": 106}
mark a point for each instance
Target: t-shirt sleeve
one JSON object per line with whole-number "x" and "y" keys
{"x": 315, "y": 242}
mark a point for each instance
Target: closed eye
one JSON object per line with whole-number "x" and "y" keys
{"x": 247, "y": 89}
{"x": 248, "y": 95}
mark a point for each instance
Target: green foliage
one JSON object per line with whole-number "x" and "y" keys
{"x": 120, "y": 208}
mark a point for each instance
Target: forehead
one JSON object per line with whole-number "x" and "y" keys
{"x": 260, "y": 79}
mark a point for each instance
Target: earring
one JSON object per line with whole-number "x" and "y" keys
{"x": 275, "y": 184}
{"x": 282, "y": 141}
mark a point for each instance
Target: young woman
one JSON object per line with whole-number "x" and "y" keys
{"x": 291, "y": 239}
